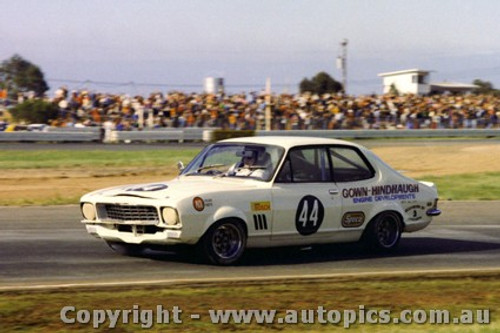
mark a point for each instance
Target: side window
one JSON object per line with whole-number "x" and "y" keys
{"x": 349, "y": 165}
{"x": 285, "y": 175}
{"x": 306, "y": 165}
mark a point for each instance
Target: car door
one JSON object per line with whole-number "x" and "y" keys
{"x": 305, "y": 200}
{"x": 354, "y": 177}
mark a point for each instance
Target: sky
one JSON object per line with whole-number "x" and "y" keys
{"x": 140, "y": 46}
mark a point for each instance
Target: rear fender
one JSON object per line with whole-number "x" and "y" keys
{"x": 384, "y": 207}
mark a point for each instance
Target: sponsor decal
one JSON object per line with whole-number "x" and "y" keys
{"x": 148, "y": 188}
{"x": 309, "y": 216}
{"x": 260, "y": 206}
{"x": 198, "y": 204}
{"x": 353, "y": 219}
{"x": 415, "y": 212}
{"x": 381, "y": 193}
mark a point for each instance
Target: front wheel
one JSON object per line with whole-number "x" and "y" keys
{"x": 384, "y": 232}
{"x": 224, "y": 243}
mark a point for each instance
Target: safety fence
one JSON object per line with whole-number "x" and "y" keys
{"x": 97, "y": 134}
{"x": 52, "y": 134}
{"x": 374, "y": 134}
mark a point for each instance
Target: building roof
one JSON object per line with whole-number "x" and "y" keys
{"x": 406, "y": 71}
{"x": 454, "y": 85}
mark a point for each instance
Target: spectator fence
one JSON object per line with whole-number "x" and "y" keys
{"x": 96, "y": 134}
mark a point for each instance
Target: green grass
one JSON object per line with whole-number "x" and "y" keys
{"x": 39, "y": 310}
{"x": 14, "y": 159}
{"x": 481, "y": 186}
{"x": 45, "y": 201}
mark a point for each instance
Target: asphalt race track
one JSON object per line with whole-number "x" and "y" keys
{"x": 45, "y": 246}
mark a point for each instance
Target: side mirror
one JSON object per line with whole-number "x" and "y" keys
{"x": 180, "y": 166}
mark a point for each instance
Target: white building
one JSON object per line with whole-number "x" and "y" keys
{"x": 213, "y": 85}
{"x": 410, "y": 81}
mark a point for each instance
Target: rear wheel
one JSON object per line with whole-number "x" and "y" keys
{"x": 224, "y": 243}
{"x": 384, "y": 231}
{"x": 125, "y": 249}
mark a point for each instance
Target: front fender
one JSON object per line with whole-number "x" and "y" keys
{"x": 224, "y": 212}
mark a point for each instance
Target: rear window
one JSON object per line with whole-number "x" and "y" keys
{"x": 349, "y": 165}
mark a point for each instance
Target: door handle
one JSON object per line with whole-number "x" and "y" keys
{"x": 333, "y": 191}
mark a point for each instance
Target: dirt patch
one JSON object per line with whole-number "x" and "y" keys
{"x": 20, "y": 187}
{"x": 442, "y": 160}
{"x": 53, "y": 186}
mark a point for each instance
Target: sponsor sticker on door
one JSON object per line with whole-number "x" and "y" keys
{"x": 353, "y": 219}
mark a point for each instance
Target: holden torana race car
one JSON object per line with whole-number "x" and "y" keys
{"x": 265, "y": 192}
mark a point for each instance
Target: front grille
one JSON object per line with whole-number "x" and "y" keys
{"x": 128, "y": 213}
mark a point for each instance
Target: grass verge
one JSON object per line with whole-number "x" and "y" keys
{"x": 39, "y": 310}
{"x": 480, "y": 186}
{"x": 39, "y": 159}
{"x": 54, "y": 177}
{"x": 52, "y": 200}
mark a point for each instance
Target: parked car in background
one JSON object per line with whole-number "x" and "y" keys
{"x": 16, "y": 127}
{"x": 38, "y": 127}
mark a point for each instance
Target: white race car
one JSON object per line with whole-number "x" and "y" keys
{"x": 264, "y": 192}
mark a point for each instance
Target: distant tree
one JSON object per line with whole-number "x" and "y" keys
{"x": 35, "y": 111}
{"x": 19, "y": 75}
{"x": 321, "y": 83}
{"x": 393, "y": 90}
{"x": 485, "y": 87}
{"x": 307, "y": 85}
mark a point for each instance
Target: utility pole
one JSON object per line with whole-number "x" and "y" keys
{"x": 342, "y": 64}
{"x": 268, "y": 105}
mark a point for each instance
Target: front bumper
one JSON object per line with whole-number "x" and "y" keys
{"x": 135, "y": 234}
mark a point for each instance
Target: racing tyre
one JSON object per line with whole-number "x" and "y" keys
{"x": 132, "y": 250}
{"x": 384, "y": 232}
{"x": 224, "y": 243}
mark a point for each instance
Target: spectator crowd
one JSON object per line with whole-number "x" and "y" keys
{"x": 246, "y": 111}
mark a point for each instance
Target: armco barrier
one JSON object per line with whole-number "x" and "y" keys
{"x": 51, "y": 136}
{"x": 372, "y": 134}
{"x": 167, "y": 134}
{"x": 91, "y": 134}
{"x": 95, "y": 129}
{"x": 144, "y": 136}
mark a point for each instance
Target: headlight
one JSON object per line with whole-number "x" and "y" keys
{"x": 88, "y": 211}
{"x": 169, "y": 216}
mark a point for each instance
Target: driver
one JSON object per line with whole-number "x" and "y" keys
{"x": 247, "y": 163}
{"x": 249, "y": 168}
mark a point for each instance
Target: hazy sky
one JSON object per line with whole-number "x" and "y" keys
{"x": 175, "y": 43}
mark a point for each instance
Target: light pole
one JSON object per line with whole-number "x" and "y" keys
{"x": 342, "y": 64}
{"x": 268, "y": 105}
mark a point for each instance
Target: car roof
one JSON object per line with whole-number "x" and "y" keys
{"x": 291, "y": 141}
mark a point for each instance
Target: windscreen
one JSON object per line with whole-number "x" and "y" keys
{"x": 255, "y": 161}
